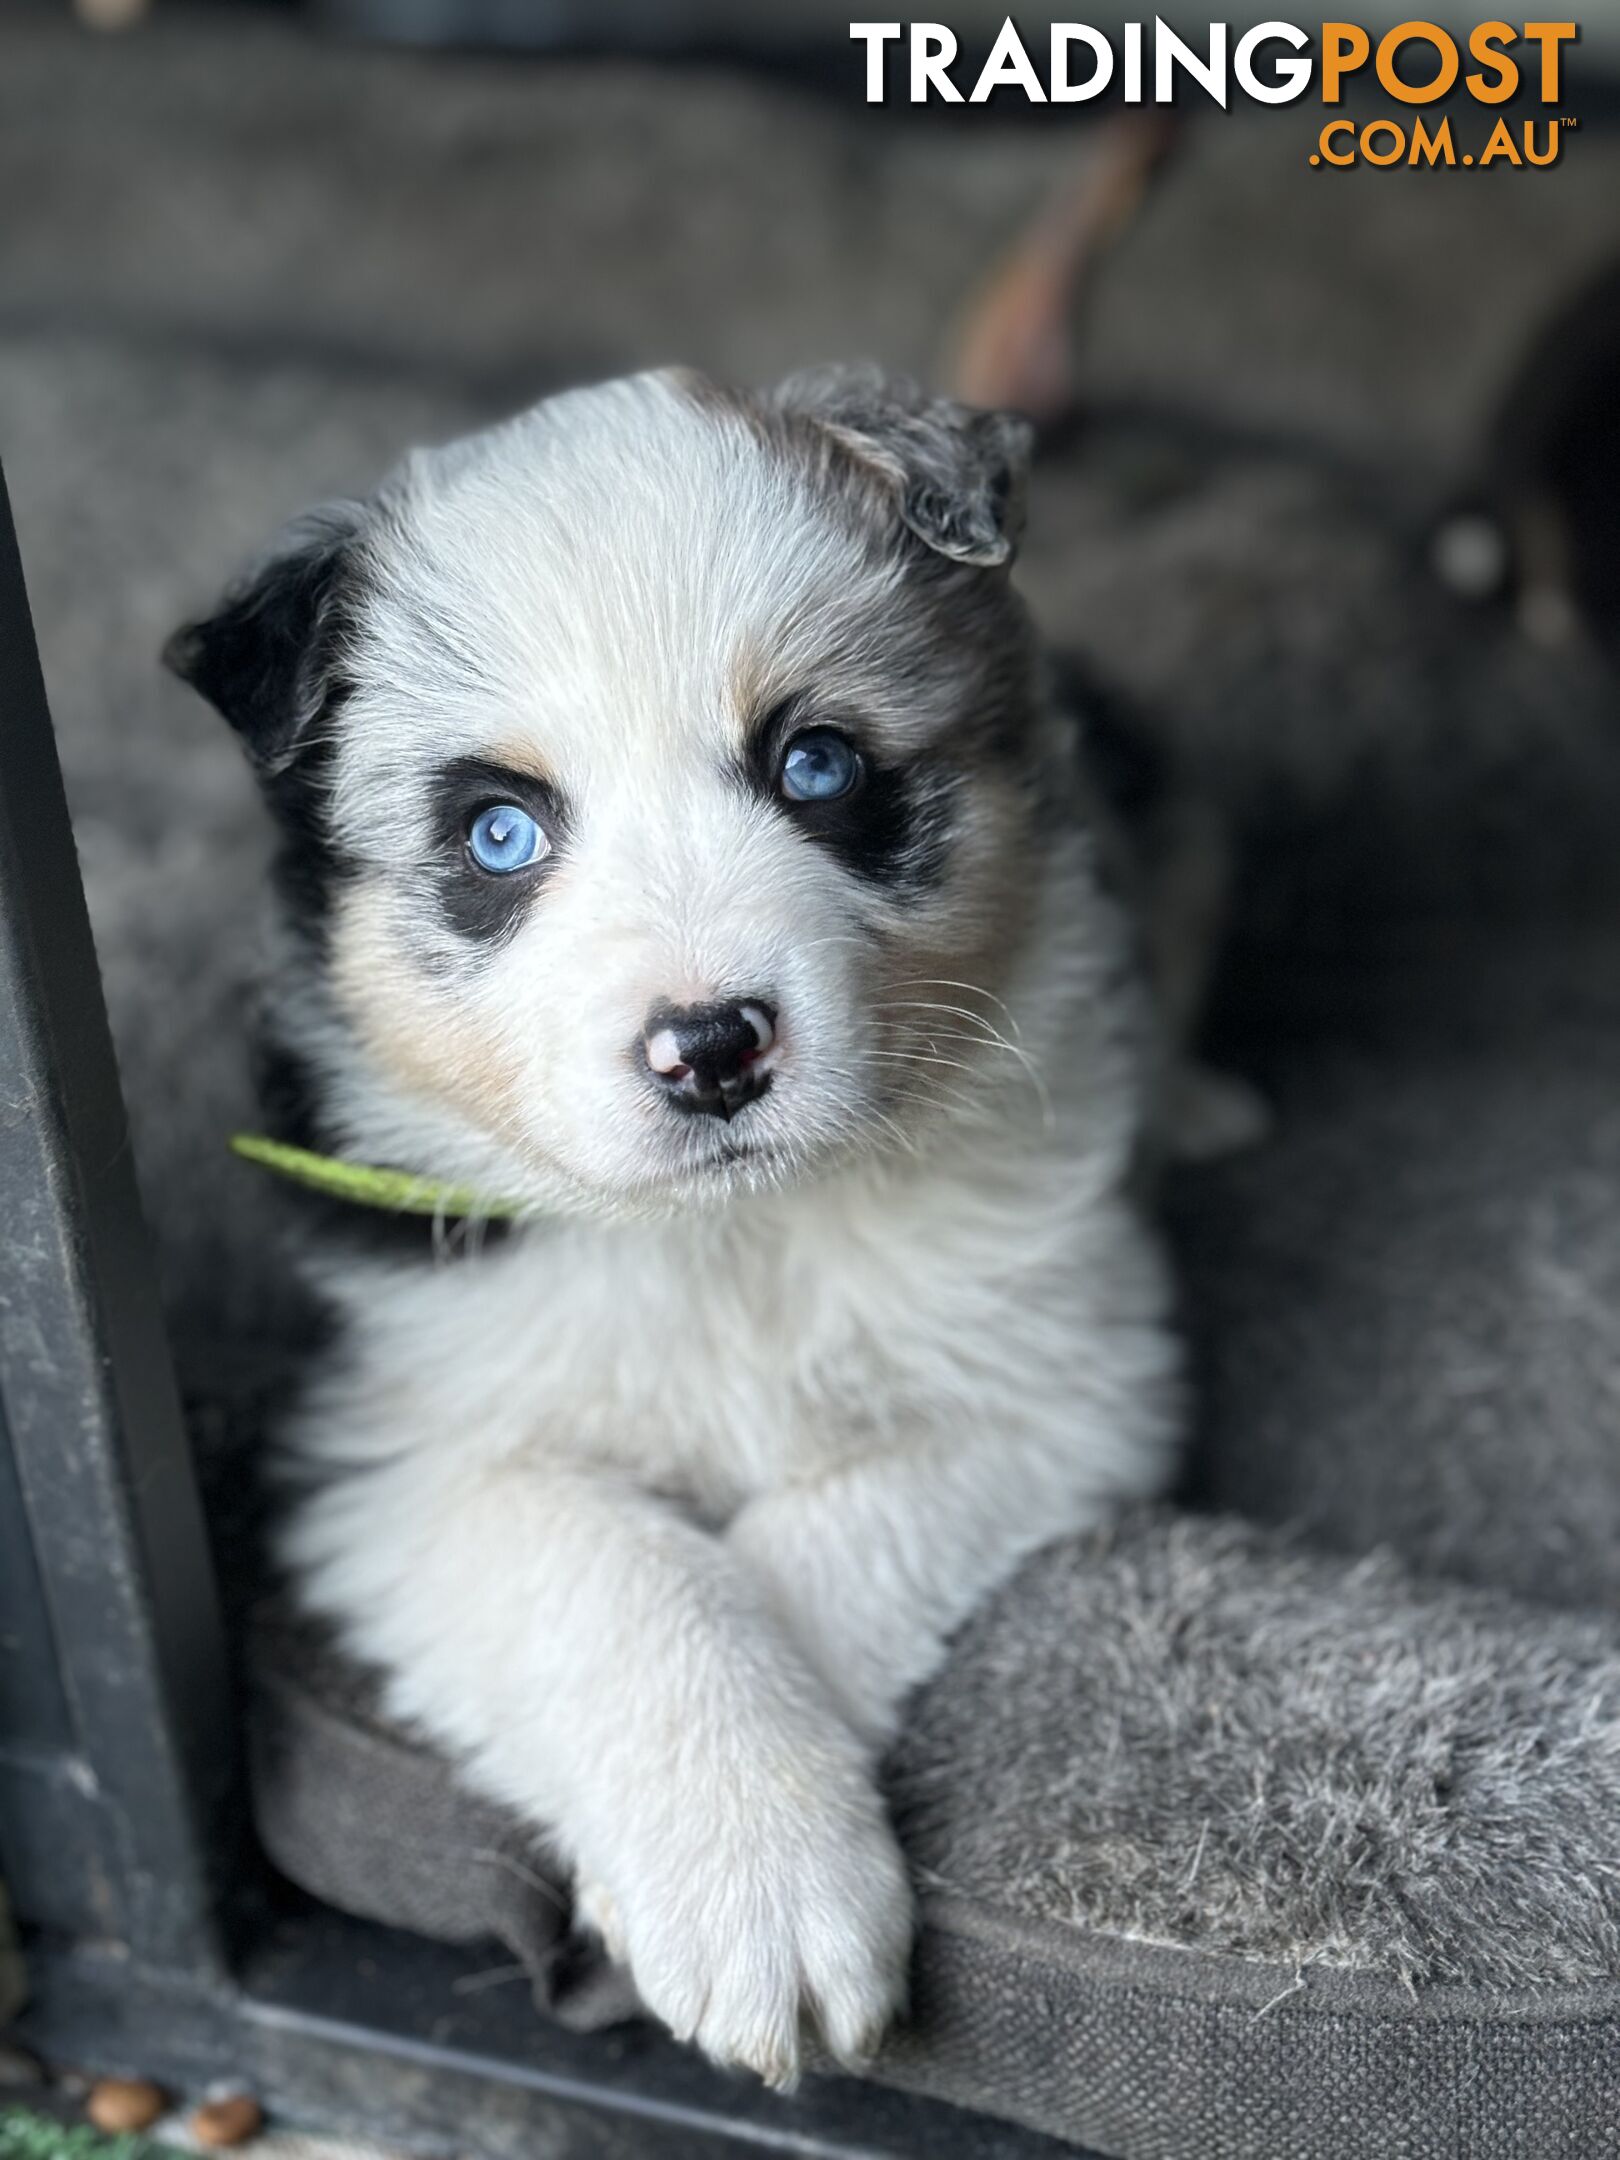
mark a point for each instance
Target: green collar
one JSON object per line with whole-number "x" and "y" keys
{"x": 395, "y": 1191}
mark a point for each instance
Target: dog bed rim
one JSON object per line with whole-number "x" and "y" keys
{"x": 1181, "y": 1970}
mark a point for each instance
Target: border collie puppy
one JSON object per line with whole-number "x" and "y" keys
{"x": 682, "y": 850}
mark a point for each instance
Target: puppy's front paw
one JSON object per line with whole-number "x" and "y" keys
{"x": 739, "y": 1937}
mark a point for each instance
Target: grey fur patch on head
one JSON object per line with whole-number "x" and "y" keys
{"x": 957, "y": 474}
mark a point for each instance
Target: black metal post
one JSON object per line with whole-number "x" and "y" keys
{"x": 113, "y": 1768}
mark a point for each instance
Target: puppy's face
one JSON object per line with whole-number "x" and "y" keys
{"x": 658, "y": 771}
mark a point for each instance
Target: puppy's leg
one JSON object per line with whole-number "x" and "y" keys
{"x": 874, "y": 1564}
{"x": 609, "y": 1669}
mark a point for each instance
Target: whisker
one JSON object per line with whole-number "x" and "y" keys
{"x": 940, "y": 1092}
{"x": 928, "y": 1057}
{"x": 945, "y": 982}
{"x": 991, "y": 1037}
{"x": 868, "y": 1118}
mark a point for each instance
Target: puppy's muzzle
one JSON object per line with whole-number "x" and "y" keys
{"x": 711, "y": 1059}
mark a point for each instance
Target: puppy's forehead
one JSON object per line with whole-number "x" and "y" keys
{"x": 640, "y": 562}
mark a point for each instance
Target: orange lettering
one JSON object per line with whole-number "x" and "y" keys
{"x": 1549, "y": 36}
{"x": 1334, "y": 157}
{"x": 1485, "y": 41}
{"x": 1345, "y": 47}
{"x": 1412, "y": 33}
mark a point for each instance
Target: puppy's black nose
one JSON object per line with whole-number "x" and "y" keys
{"x": 709, "y": 1058}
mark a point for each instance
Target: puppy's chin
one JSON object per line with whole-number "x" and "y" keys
{"x": 712, "y": 1165}
{"x": 725, "y": 1169}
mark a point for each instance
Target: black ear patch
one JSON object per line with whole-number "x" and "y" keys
{"x": 956, "y": 474}
{"x": 267, "y": 657}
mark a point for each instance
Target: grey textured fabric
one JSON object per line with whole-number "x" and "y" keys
{"x": 1166, "y": 2057}
{"x": 1407, "y": 1306}
{"x": 1231, "y": 1845}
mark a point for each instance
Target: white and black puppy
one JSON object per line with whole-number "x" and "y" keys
{"x": 681, "y": 847}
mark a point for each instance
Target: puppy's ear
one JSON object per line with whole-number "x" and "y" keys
{"x": 267, "y": 657}
{"x": 956, "y": 475}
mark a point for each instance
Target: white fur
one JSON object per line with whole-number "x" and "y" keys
{"x": 655, "y": 1516}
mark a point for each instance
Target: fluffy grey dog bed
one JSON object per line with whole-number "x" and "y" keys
{"x": 1283, "y": 1824}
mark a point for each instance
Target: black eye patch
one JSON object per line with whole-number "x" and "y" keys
{"x": 476, "y": 906}
{"x": 893, "y": 828}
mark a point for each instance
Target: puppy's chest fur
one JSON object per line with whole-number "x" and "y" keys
{"x": 721, "y": 1355}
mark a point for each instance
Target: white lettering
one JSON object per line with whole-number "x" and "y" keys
{"x": 1064, "y": 37}
{"x": 933, "y": 48}
{"x": 1008, "y": 63}
{"x": 1170, "y": 52}
{"x": 1292, "y": 75}
{"x": 1133, "y": 63}
{"x": 876, "y": 35}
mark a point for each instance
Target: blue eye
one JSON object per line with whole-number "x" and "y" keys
{"x": 504, "y": 838}
{"x": 820, "y": 765}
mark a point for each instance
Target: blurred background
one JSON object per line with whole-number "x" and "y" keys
{"x": 1326, "y": 497}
